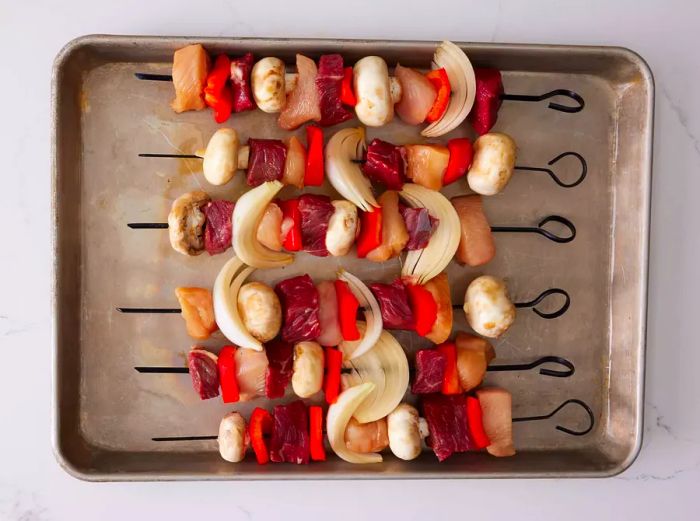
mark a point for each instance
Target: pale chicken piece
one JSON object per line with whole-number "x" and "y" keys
{"x": 190, "y": 69}
{"x": 493, "y": 164}
{"x": 439, "y": 288}
{"x": 342, "y": 228}
{"x": 328, "y": 314}
{"x": 302, "y": 102}
{"x": 496, "y": 404}
{"x": 394, "y": 233}
{"x": 294, "y": 164}
{"x": 473, "y": 357}
{"x": 270, "y": 228}
{"x": 366, "y": 437}
{"x": 233, "y": 437}
{"x": 260, "y": 310}
{"x": 186, "y": 223}
{"x": 476, "y": 245}
{"x": 487, "y": 306}
{"x": 251, "y": 368}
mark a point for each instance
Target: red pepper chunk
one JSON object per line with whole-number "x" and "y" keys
{"x": 461, "y": 155}
{"x": 318, "y": 452}
{"x": 347, "y": 310}
{"x": 479, "y": 438}
{"x": 313, "y": 173}
{"x": 260, "y": 425}
{"x": 450, "y": 380}
{"x": 441, "y": 82}
{"x": 333, "y": 360}
{"x": 347, "y": 96}
{"x": 227, "y": 374}
{"x": 424, "y": 308}
{"x": 370, "y": 232}
{"x": 291, "y": 219}
{"x": 217, "y": 93}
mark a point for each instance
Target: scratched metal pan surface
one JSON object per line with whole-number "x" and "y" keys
{"x": 105, "y": 413}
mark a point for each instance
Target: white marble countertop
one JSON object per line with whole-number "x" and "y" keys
{"x": 667, "y": 473}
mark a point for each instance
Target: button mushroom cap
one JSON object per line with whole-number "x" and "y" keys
{"x": 342, "y": 228}
{"x": 493, "y": 164}
{"x": 186, "y": 223}
{"x": 260, "y": 310}
{"x": 487, "y": 306}
{"x": 221, "y": 157}
{"x": 268, "y": 81}
{"x": 375, "y": 105}
{"x": 307, "y": 375}
{"x": 233, "y": 437}
{"x": 406, "y": 432}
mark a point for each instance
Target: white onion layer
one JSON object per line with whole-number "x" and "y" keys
{"x": 345, "y": 176}
{"x": 372, "y": 311}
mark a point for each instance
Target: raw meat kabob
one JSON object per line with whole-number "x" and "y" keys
{"x": 450, "y": 424}
{"x": 241, "y": 374}
{"x": 443, "y": 97}
{"x": 488, "y": 165}
{"x": 265, "y": 231}
{"x": 250, "y": 314}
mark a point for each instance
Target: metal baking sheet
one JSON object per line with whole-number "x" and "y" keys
{"x": 105, "y": 413}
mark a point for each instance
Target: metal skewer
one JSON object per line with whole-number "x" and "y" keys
{"x": 557, "y": 373}
{"x": 565, "y": 430}
{"x": 529, "y": 304}
{"x": 530, "y": 98}
{"x": 539, "y": 229}
{"x": 548, "y": 171}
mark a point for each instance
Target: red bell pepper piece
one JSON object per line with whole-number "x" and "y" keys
{"x": 424, "y": 308}
{"x": 318, "y": 452}
{"x": 217, "y": 92}
{"x": 313, "y": 173}
{"x": 461, "y": 155}
{"x": 291, "y": 217}
{"x": 478, "y": 435}
{"x": 441, "y": 82}
{"x": 333, "y": 360}
{"x": 370, "y": 232}
{"x": 227, "y": 374}
{"x": 347, "y": 95}
{"x": 347, "y": 310}
{"x": 260, "y": 425}
{"x": 450, "y": 380}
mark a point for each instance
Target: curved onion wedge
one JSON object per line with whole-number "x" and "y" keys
{"x": 422, "y": 265}
{"x": 339, "y": 415}
{"x": 385, "y": 366}
{"x": 247, "y": 215}
{"x": 463, "y": 83}
{"x": 346, "y": 177}
{"x": 372, "y": 311}
{"x": 228, "y": 283}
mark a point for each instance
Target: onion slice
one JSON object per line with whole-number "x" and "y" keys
{"x": 385, "y": 366}
{"x": 372, "y": 312}
{"x": 339, "y": 415}
{"x": 463, "y": 83}
{"x": 225, "y": 295}
{"x": 346, "y": 177}
{"x": 247, "y": 214}
{"x": 422, "y": 265}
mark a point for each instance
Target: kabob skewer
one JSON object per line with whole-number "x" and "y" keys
{"x": 443, "y": 97}
{"x": 451, "y": 424}
{"x": 488, "y": 164}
